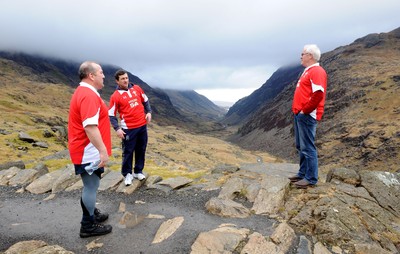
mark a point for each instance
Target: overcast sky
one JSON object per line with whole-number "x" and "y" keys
{"x": 223, "y": 49}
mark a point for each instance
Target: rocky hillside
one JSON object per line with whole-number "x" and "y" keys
{"x": 56, "y": 71}
{"x": 242, "y": 110}
{"x": 361, "y": 124}
{"x": 189, "y": 102}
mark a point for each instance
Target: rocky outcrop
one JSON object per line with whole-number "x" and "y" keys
{"x": 32, "y": 247}
{"x": 350, "y": 212}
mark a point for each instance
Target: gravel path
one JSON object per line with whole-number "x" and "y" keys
{"x": 27, "y": 216}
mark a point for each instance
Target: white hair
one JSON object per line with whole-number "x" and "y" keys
{"x": 313, "y": 50}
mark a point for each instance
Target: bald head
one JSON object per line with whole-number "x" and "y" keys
{"x": 86, "y": 68}
{"x": 92, "y": 74}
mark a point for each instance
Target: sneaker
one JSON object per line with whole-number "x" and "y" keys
{"x": 100, "y": 217}
{"x": 128, "y": 179}
{"x": 94, "y": 229}
{"x": 139, "y": 176}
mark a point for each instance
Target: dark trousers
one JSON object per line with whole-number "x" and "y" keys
{"x": 135, "y": 142}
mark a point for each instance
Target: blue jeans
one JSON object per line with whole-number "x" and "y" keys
{"x": 305, "y": 127}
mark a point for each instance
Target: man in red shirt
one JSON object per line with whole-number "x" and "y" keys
{"x": 89, "y": 143}
{"x": 134, "y": 111}
{"x": 308, "y": 108}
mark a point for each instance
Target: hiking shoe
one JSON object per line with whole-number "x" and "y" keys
{"x": 100, "y": 217}
{"x": 139, "y": 176}
{"x": 94, "y": 229}
{"x": 303, "y": 184}
{"x": 295, "y": 178}
{"x": 128, "y": 179}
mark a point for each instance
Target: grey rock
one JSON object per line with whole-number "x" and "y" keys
{"x": 153, "y": 179}
{"x": 23, "y": 177}
{"x": 48, "y": 134}
{"x": 40, "y": 144}
{"x": 7, "y": 165}
{"x": 65, "y": 180}
{"x": 131, "y": 188}
{"x": 271, "y": 195}
{"x": 284, "y": 237}
{"x": 384, "y": 187}
{"x": 44, "y": 183}
{"x": 25, "y": 137}
{"x": 130, "y": 220}
{"x": 231, "y": 188}
{"x": 7, "y": 174}
{"x": 59, "y": 155}
{"x": 223, "y": 239}
{"x": 257, "y": 244}
{"x": 345, "y": 175}
{"x": 167, "y": 228}
{"x": 177, "y": 182}
{"x": 370, "y": 249}
{"x": 25, "y": 247}
{"x": 61, "y": 130}
{"x": 225, "y": 169}
{"x": 227, "y": 208}
{"x": 41, "y": 168}
{"x": 319, "y": 248}
{"x": 304, "y": 246}
{"x": 110, "y": 180}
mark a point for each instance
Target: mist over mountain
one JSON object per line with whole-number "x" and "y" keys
{"x": 360, "y": 127}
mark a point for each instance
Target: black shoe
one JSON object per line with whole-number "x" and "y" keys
{"x": 100, "y": 217}
{"x": 94, "y": 229}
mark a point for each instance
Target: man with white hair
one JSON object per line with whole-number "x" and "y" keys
{"x": 308, "y": 108}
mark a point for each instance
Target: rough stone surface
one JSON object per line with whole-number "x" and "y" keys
{"x": 227, "y": 208}
{"x": 283, "y": 236}
{"x": 23, "y": 177}
{"x": 223, "y": 239}
{"x": 176, "y": 183}
{"x": 167, "y": 228}
{"x": 110, "y": 180}
{"x": 344, "y": 175}
{"x": 319, "y": 248}
{"x": 360, "y": 218}
{"x": 385, "y": 188}
{"x": 44, "y": 183}
{"x": 257, "y": 244}
{"x": 271, "y": 196}
{"x": 7, "y": 165}
{"x": 7, "y": 174}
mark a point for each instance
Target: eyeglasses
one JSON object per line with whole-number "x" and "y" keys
{"x": 302, "y": 54}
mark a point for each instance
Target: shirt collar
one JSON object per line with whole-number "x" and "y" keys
{"x": 84, "y": 84}
{"x": 313, "y": 65}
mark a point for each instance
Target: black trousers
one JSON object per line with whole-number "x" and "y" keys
{"x": 135, "y": 142}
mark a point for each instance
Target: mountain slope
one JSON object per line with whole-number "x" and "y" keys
{"x": 191, "y": 103}
{"x": 245, "y": 107}
{"x": 361, "y": 124}
{"x": 56, "y": 71}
